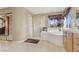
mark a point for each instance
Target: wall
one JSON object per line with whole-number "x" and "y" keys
{"x": 19, "y": 22}
{"x": 22, "y": 26}
{"x": 36, "y": 26}
{"x": 39, "y": 21}
{"x": 29, "y": 26}
{"x": 3, "y": 13}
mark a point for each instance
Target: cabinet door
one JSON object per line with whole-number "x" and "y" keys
{"x": 69, "y": 42}
{"x": 76, "y": 42}
{"x": 65, "y": 41}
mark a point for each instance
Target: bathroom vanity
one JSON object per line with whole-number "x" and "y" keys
{"x": 71, "y": 41}
{"x": 68, "y": 41}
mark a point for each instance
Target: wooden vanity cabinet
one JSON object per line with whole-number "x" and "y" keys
{"x": 68, "y": 41}
{"x": 76, "y": 42}
{"x": 71, "y": 41}
{"x": 65, "y": 40}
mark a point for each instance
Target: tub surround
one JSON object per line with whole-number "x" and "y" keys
{"x": 54, "y": 36}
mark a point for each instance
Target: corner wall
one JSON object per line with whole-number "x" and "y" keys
{"x": 39, "y": 21}
{"x": 19, "y": 22}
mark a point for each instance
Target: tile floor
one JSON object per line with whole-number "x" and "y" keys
{"x": 42, "y": 46}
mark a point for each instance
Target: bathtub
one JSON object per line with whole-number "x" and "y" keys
{"x": 55, "y": 36}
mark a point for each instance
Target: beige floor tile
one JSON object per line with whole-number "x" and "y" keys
{"x": 42, "y": 46}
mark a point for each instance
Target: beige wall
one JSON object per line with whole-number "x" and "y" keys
{"x": 3, "y": 13}
{"x": 21, "y": 26}
{"x": 39, "y": 21}
{"x": 36, "y": 26}
{"x": 19, "y": 22}
{"x": 29, "y": 26}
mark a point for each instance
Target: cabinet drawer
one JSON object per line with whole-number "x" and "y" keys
{"x": 75, "y": 41}
{"x": 75, "y": 36}
{"x": 76, "y": 48}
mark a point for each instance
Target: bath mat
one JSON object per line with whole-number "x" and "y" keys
{"x": 30, "y": 40}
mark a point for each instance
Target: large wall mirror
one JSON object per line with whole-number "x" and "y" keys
{"x": 4, "y": 25}
{"x": 55, "y": 21}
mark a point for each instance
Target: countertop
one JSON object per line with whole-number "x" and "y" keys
{"x": 71, "y": 30}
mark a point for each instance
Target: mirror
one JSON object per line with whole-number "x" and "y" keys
{"x": 55, "y": 21}
{"x": 4, "y": 25}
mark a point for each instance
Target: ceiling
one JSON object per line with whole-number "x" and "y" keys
{"x": 41, "y": 10}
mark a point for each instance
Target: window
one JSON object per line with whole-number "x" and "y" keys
{"x": 77, "y": 20}
{"x": 55, "y": 22}
{"x": 68, "y": 20}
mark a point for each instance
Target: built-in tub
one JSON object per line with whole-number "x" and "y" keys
{"x": 55, "y": 36}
